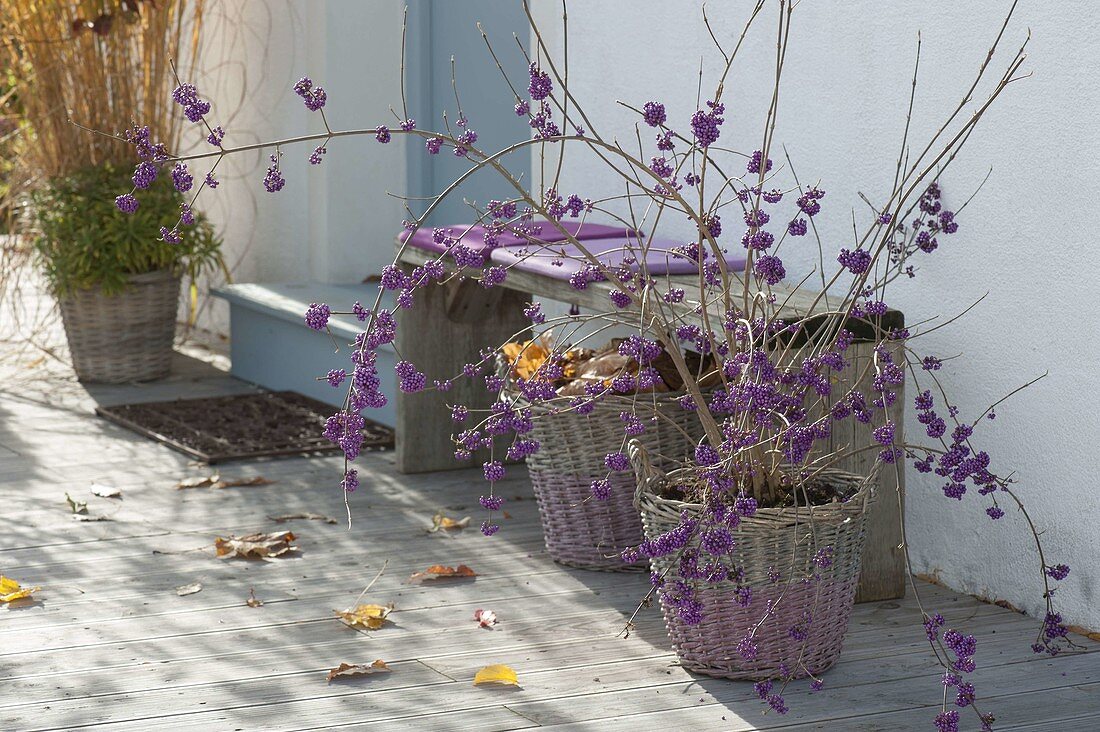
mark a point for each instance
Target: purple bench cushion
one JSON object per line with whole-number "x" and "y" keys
{"x": 475, "y": 241}
{"x": 561, "y": 261}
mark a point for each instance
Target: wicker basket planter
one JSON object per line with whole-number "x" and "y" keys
{"x": 124, "y": 337}
{"x": 804, "y": 631}
{"x": 579, "y": 530}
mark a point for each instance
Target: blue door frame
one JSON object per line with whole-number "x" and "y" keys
{"x": 438, "y": 30}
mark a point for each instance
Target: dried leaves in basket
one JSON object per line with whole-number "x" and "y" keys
{"x": 583, "y": 366}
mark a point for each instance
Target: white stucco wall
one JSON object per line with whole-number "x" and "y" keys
{"x": 1024, "y": 239}
{"x": 333, "y": 222}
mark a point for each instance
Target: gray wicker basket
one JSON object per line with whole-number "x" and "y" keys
{"x": 796, "y": 624}
{"x": 581, "y": 531}
{"x": 124, "y": 337}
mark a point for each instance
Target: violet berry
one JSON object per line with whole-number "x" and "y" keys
{"x": 317, "y": 316}
{"x": 601, "y": 489}
{"x": 273, "y": 179}
{"x": 654, "y": 114}
{"x": 492, "y": 503}
{"x": 617, "y": 461}
{"x": 493, "y": 470}
{"x": 127, "y": 203}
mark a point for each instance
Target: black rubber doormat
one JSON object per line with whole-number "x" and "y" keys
{"x": 217, "y": 429}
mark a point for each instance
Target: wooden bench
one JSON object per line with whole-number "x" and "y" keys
{"x": 449, "y": 325}
{"x": 271, "y": 346}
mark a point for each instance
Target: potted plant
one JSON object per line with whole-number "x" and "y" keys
{"x": 756, "y": 517}
{"x": 116, "y": 280}
{"x": 586, "y": 508}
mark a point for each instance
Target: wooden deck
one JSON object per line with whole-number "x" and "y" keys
{"x": 108, "y": 644}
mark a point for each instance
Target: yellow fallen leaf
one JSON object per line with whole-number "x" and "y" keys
{"x": 10, "y": 591}
{"x": 352, "y": 669}
{"x": 498, "y": 673}
{"x": 190, "y": 589}
{"x": 252, "y": 600}
{"x": 445, "y": 523}
{"x": 438, "y": 571}
{"x": 260, "y": 546}
{"x": 371, "y": 617}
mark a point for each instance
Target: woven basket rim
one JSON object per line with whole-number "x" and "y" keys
{"x": 608, "y": 401}
{"x": 141, "y": 278}
{"x": 647, "y": 500}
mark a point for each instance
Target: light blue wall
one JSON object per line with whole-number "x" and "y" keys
{"x": 438, "y": 30}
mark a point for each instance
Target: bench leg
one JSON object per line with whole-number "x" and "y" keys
{"x": 447, "y": 327}
{"x": 882, "y": 576}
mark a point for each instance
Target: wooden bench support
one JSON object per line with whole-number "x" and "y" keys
{"x": 446, "y": 328}
{"x": 882, "y": 576}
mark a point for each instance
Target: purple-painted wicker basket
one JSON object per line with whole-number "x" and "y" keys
{"x": 581, "y": 531}
{"x": 804, "y": 629}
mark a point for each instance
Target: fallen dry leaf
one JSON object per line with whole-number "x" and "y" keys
{"x": 260, "y": 546}
{"x": 485, "y": 618}
{"x": 216, "y": 481}
{"x": 354, "y": 669}
{"x": 498, "y": 674}
{"x": 236, "y": 482}
{"x": 305, "y": 516}
{"x": 371, "y": 617}
{"x": 438, "y": 571}
{"x": 525, "y": 358}
{"x": 76, "y": 506}
{"x": 445, "y": 523}
{"x": 105, "y": 491}
{"x": 190, "y": 589}
{"x": 198, "y": 482}
{"x": 10, "y": 591}
{"x": 252, "y": 600}
{"x": 1091, "y": 635}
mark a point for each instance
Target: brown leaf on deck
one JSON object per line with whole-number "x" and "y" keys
{"x": 198, "y": 482}
{"x": 304, "y": 516}
{"x": 190, "y": 589}
{"x": 252, "y": 600}
{"x": 354, "y": 669}
{"x": 237, "y": 482}
{"x": 439, "y": 571}
{"x": 216, "y": 481}
{"x": 259, "y": 546}
{"x": 1091, "y": 635}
